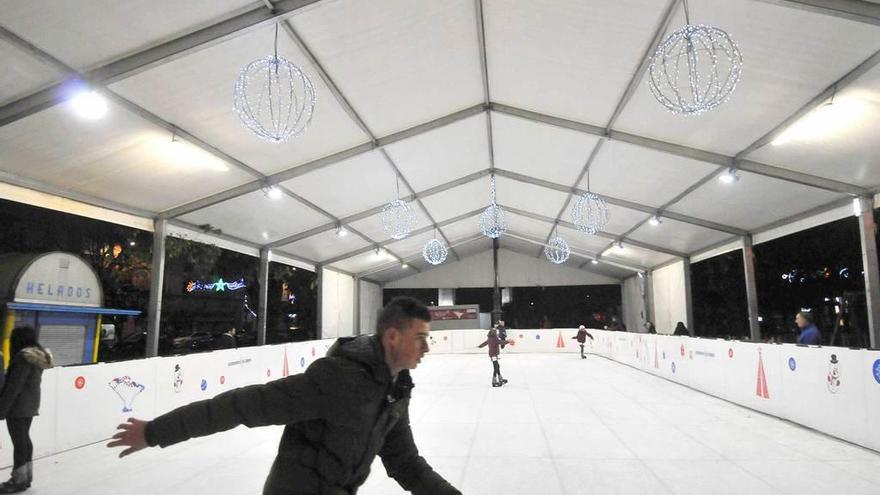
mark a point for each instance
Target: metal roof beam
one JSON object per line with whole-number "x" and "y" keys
{"x": 719, "y": 159}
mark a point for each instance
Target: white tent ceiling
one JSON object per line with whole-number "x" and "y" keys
{"x": 550, "y": 96}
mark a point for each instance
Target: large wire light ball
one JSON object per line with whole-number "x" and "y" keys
{"x": 557, "y": 250}
{"x": 397, "y": 219}
{"x": 589, "y": 213}
{"x": 695, "y": 69}
{"x": 435, "y": 252}
{"x": 274, "y": 99}
{"x": 492, "y": 221}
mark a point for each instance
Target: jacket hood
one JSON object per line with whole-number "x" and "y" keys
{"x": 38, "y": 357}
{"x": 363, "y": 349}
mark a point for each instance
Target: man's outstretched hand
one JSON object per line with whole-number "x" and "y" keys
{"x": 131, "y": 435}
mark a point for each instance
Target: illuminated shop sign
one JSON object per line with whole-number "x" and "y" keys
{"x": 219, "y": 286}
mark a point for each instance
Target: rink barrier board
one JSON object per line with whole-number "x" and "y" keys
{"x": 837, "y": 395}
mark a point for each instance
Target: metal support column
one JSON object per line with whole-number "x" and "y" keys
{"x": 648, "y": 297}
{"x": 356, "y": 320}
{"x": 868, "y": 232}
{"x": 688, "y": 295}
{"x": 751, "y": 288}
{"x": 496, "y": 292}
{"x": 263, "y": 295}
{"x": 157, "y": 278}
{"x": 319, "y": 332}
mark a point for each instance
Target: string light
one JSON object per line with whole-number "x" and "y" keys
{"x": 274, "y": 98}
{"x": 492, "y": 221}
{"x": 694, "y": 69}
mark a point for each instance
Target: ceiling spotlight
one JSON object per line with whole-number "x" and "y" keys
{"x": 619, "y": 244}
{"x": 404, "y": 266}
{"x": 273, "y": 192}
{"x": 729, "y": 177}
{"x": 89, "y": 105}
{"x": 380, "y": 253}
{"x": 594, "y": 261}
{"x": 655, "y": 220}
{"x": 641, "y": 275}
{"x": 265, "y": 235}
{"x": 341, "y": 232}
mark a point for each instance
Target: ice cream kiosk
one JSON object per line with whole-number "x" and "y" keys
{"x": 60, "y": 296}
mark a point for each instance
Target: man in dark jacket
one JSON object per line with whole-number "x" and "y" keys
{"x": 343, "y": 411}
{"x": 226, "y": 340}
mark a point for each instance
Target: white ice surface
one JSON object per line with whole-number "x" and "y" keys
{"x": 561, "y": 426}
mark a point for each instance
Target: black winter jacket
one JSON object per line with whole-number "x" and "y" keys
{"x": 343, "y": 411}
{"x": 20, "y": 397}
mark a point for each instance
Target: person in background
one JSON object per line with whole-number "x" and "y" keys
{"x": 20, "y": 402}
{"x": 650, "y": 327}
{"x": 338, "y": 415}
{"x": 582, "y": 339}
{"x": 226, "y": 340}
{"x": 810, "y": 334}
{"x": 680, "y": 329}
{"x": 502, "y": 333}
{"x": 494, "y": 343}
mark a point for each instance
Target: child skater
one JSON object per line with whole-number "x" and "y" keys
{"x": 582, "y": 339}
{"x": 494, "y": 343}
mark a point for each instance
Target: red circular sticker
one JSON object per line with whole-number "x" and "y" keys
{"x": 682, "y": 350}
{"x": 313, "y": 351}
{"x": 730, "y": 352}
{"x": 79, "y": 383}
{"x": 222, "y": 379}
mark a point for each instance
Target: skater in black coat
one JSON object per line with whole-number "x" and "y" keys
{"x": 343, "y": 411}
{"x": 582, "y": 339}
{"x": 20, "y": 402}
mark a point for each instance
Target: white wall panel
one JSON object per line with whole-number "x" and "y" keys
{"x": 370, "y": 304}
{"x": 670, "y": 301}
{"x": 337, "y": 305}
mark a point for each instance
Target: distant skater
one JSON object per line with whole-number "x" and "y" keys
{"x": 582, "y": 339}
{"x": 494, "y": 343}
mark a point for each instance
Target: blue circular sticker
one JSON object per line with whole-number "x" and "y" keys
{"x": 877, "y": 370}
{"x": 302, "y": 362}
{"x": 537, "y": 337}
{"x": 673, "y": 367}
{"x": 792, "y": 364}
{"x": 204, "y": 385}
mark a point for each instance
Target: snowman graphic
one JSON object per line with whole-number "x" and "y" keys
{"x": 833, "y": 374}
{"x": 178, "y": 379}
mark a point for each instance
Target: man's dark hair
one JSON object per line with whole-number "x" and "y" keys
{"x": 24, "y": 336}
{"x": 399, "y": 312}
{"x": 807, "y": 315}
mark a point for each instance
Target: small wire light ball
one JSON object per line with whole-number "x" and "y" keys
{"x": 435, "y": 252}
{"x": 397, "y": 219}
{"x": 695, "y": 69}
{"x": 557, "y": 250}
{"x": 274, "y": 99}
{"x": 589, "y": 213}
{"x": 492, "y": 222}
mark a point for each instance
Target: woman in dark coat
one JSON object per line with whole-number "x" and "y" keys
{"x": 20, "y": 402}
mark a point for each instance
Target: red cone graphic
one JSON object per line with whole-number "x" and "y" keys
{"x": 285, "y": 370}
{"x": 559, "y": 342}
{"x": 762, "y": 390}
{"x": 656, "y": 356}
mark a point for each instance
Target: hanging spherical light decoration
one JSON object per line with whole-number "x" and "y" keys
{"x": 435, "y": 252}
{"x": 589, "y": 213}
{"x": 492, "y": 221}
{"x": 274, "y": 98}
{"x": 695, "y": 69}
{"x": 397, "y": 219}
{"x": 557, "y": 250}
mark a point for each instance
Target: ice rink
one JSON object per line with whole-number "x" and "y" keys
{"x": 561, "y": 426}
